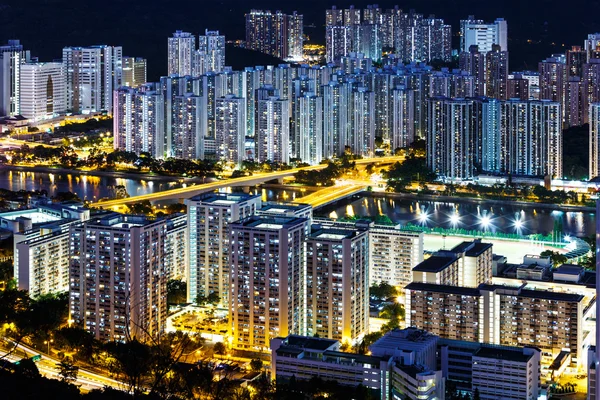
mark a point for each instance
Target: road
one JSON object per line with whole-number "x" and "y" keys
{"x": 10, "y": 142}
{"x": 330, "y": 194}
{"x": 192, "y": 190}
{"x": 88, "y": 380}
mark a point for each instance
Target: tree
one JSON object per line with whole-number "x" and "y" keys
{"x": 256, "y": 365}
{"x": 132, "y": 362}
{"x": 213, "y": 298}
{"x": 556, "y": 257}
{"x": 68, "y": 372}
{"x": 476, "y": 395}
{"x": 219, "y": 348}
{"x": 176, "y": 291}
{"x": 382, "y": 291}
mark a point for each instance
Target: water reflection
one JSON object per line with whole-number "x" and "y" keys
{"x": 496, "y": 218}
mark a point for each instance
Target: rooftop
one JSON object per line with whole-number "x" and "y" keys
{"x": 332, "y": 234}
{"x": 307, "y": 342}
{"x": 269, "y": 222}
{"x": 283, "y": 208}
{"x": 443, "y": 289}
{"x": 569, "y": 269}
{"x": 359, "y": 358}
{"x": 435, "y": 263}
{"x": 409, "y": 339}
{"x": 223, "y": 199}
{"x": 502, "y": 353}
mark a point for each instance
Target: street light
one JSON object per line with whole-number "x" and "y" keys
{"x": 48, "y": 343}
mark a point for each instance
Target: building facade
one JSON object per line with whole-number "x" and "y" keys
{"x": 209, "y": 216}
{"x": 43, "y": 92}
{"x": 118, "y": 277}
{"x": 267, "y": 262}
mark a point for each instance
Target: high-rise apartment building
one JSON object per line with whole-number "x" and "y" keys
{"x": 450, "y": 153}
{"x": 484, "y": 36}
{"x": 311, "y": 128}
{"x": 181, "y": 48}
{"x": 188, "y": 119}
{"x": 474, "y": 62}
{"x": 336, "y": 117}
{"x": 134, "y": 71}
{"x": 592, "y": 46}
{"x": 488, "y": 142}
{"x": 403, "y": 117}
{"x": 392, "y": 254}
{"x": 41, "y": 245}
{"x": 273, "y": 130}
{"x": 267, "y": 262}
{"x": 118, "y": 277}
{"x": 574, "y": 102}
{"x": 138, "y": 120}
{"x": 209, "y": 216}
{"x": 496, "y": 73}
{"x": 362, "y": 139}
{"x": 42, "y": 90}
{"x": 337, "y": 283}
{"x": 576, "y": 57}
{"x": 532, "y": 137}
{"x": 12, "y": 55}
{"x": 210, "y": 53}
{"x": 92, "y": 73}
{"x": 553, "y": 72}
{"x": 517, "y": 87}
{"x": 230, "y": 128}
{"x": 176, "y": 247}
{"x": 278, "y": 34}
{"x": 594, "y": 152}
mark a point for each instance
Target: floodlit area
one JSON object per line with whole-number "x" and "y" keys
{"x": 513, "y": 250}
{"x": 208, "y": 321}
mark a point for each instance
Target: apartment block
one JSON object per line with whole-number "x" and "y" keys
{"x": 208, "y": 219}
{"x": 267, "y": 260}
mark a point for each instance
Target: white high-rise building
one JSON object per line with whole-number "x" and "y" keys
{"x": 12, "y": 56}
{"x": 267, "y": 267}
{"x": 295, "y": 37}
{"x": 532, "y": 135}
{"x": 336, "y": 117}
{"x": 92, "y": 73}
{"x": 273, "y": 130}
{"x": 450, "y": 137}
{"x": 230, "y": 128}
{"x": 337, "y": 283}
{"x": 403, "y": 117}
{"x": 594, "y": 140}
{"x": 134, "y": 71}
{"x": 138, "y": 120}
{"x": 482, "y": 35}
{"x": 42, "y": 90}
{"x": 188, "y": 118}
{"x": 362, "y": 140}
{"x": 118, "y": 277}
{"x": 311, "y": 128}
{"x": 181, "y": 48}
{"x": 488, "y": 142}
{"x": 209, "y": 216}
{"x": 211, "y": 53}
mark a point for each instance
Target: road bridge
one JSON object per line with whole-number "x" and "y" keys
{"x": 256, "y": 179}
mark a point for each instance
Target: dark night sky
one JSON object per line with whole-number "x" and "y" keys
{"x": 142, "y": 26}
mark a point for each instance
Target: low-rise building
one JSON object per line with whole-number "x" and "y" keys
{"x": 306, "y": 357}
{"x": 505, "y": 315}
{"x": 497, "y": 372}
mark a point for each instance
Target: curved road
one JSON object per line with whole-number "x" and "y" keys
{"x": 192, "y": 190}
